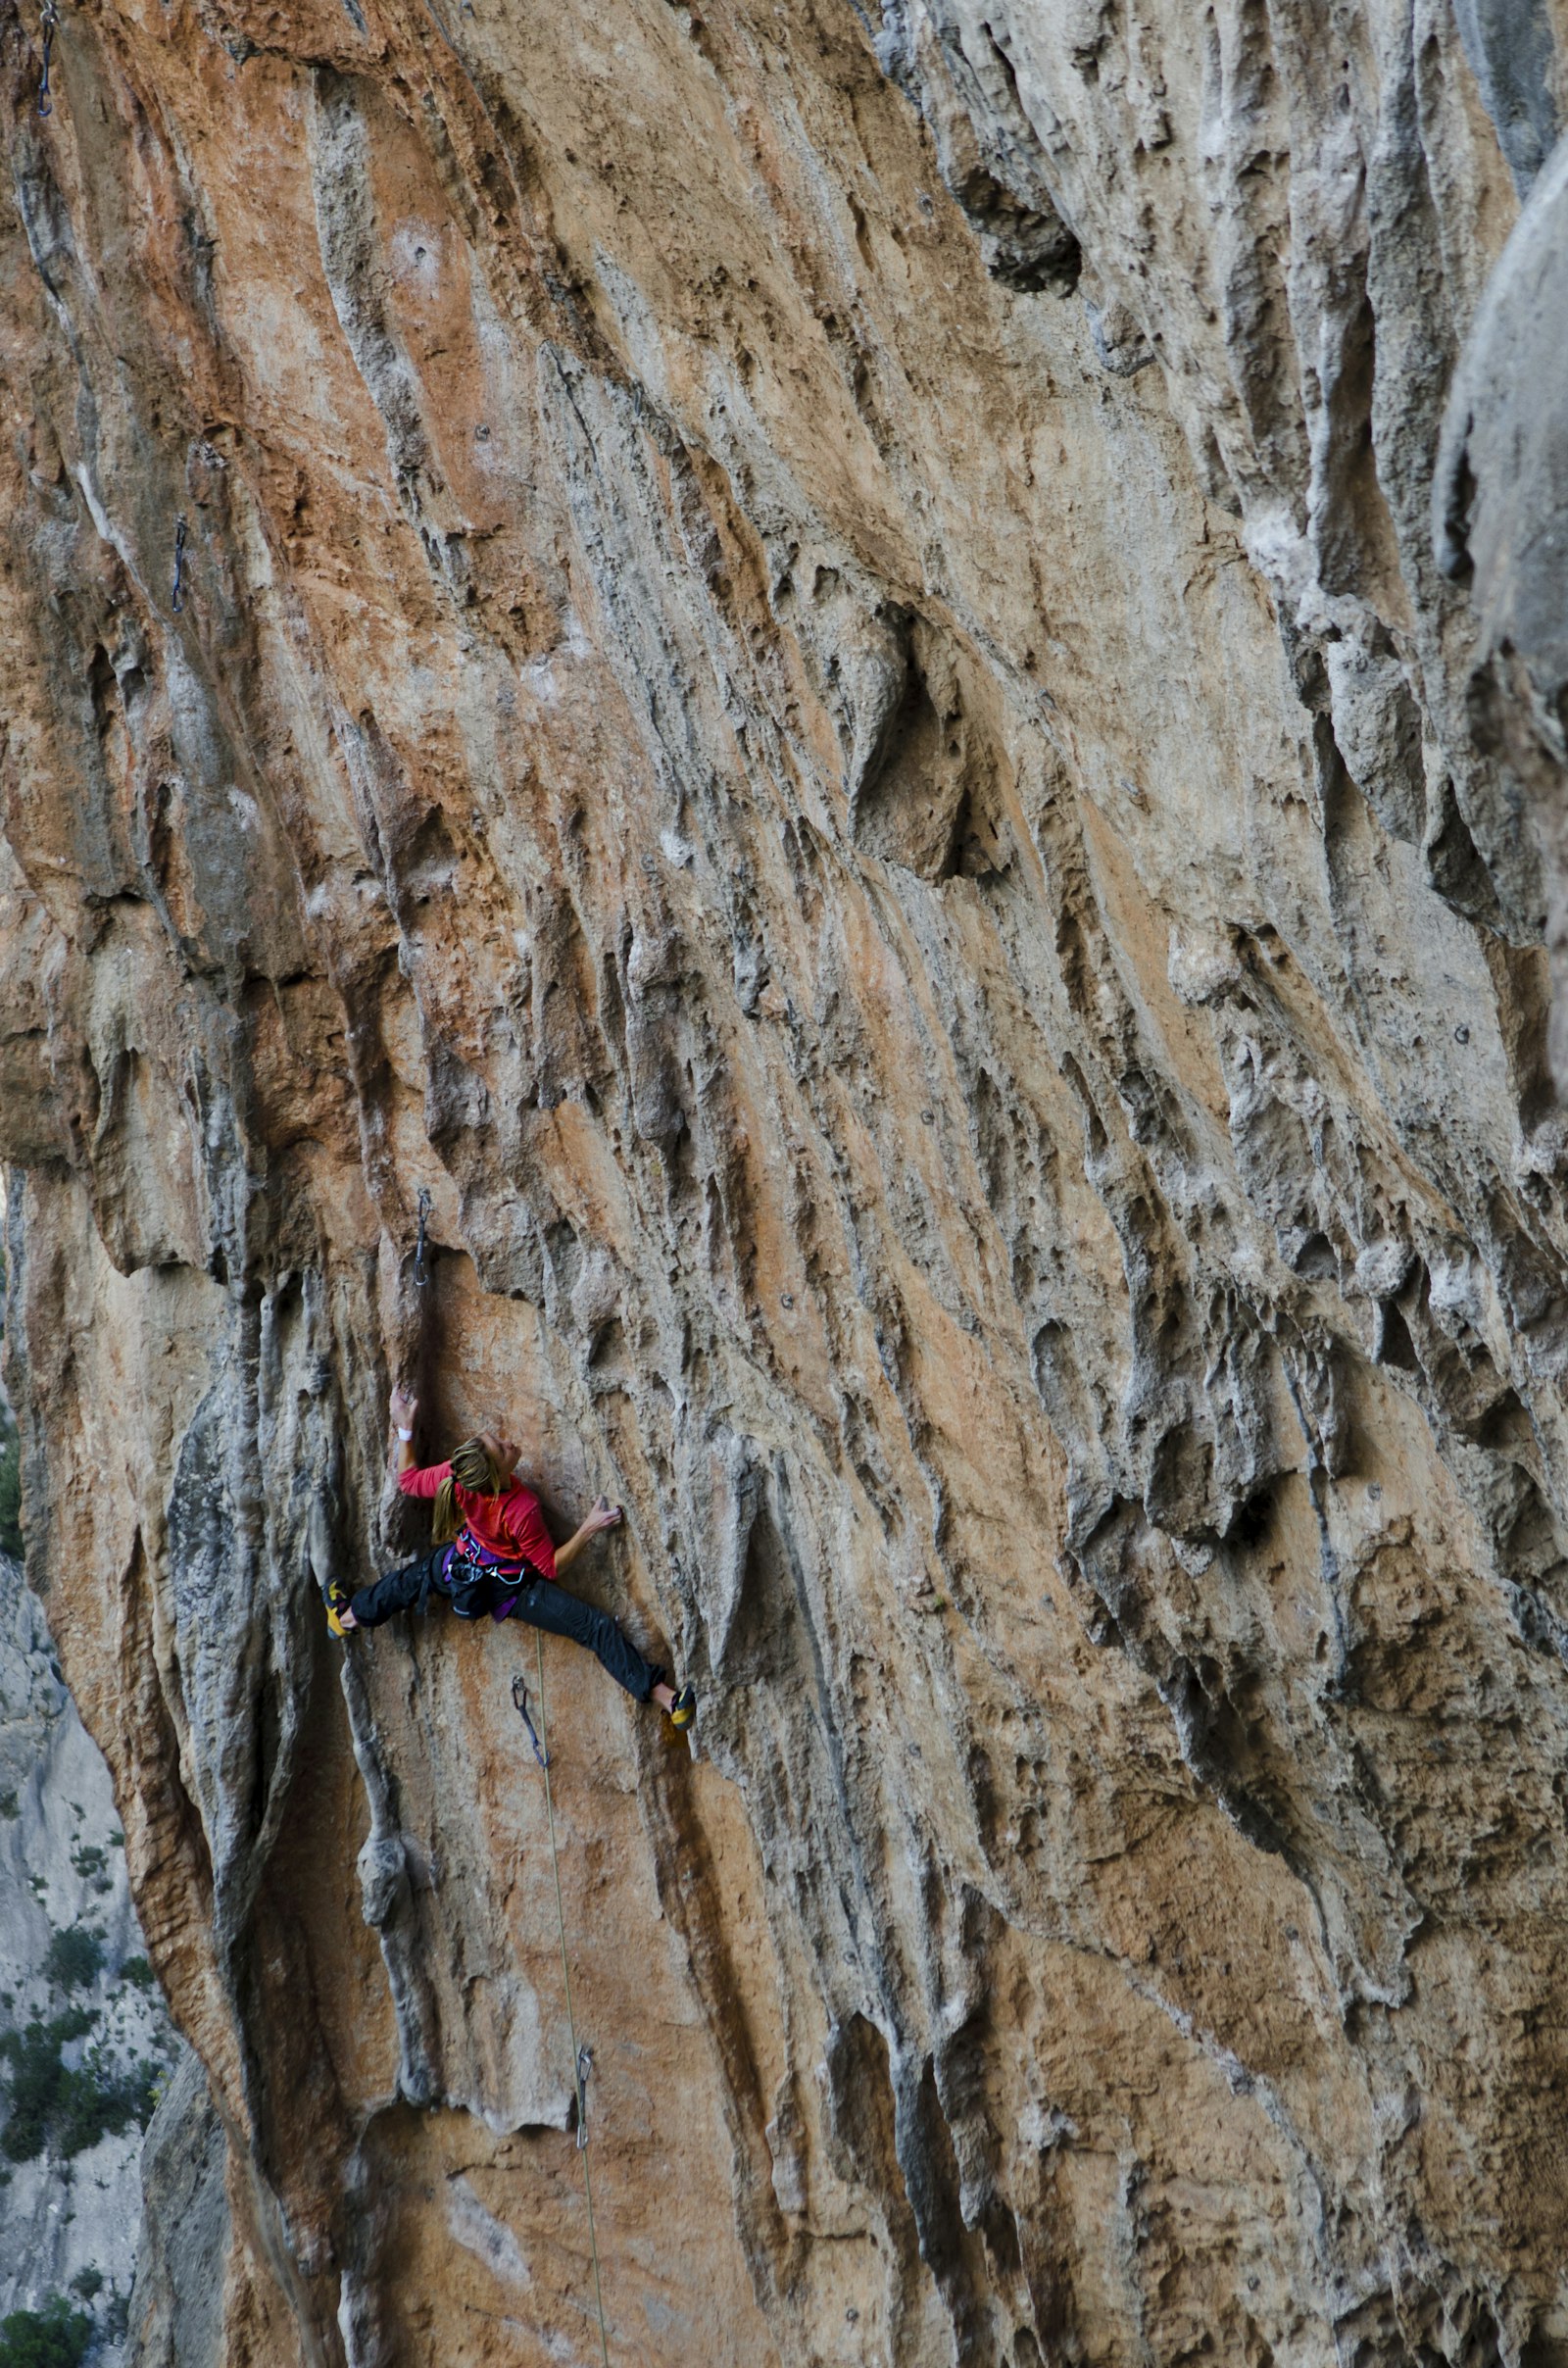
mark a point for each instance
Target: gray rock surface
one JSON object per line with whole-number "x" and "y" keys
{"x": 63, "y": 1871}
{"x": 177, "y": 2311}
{"x": 1501, "y": 523}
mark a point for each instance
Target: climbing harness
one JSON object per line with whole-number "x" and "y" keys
{"x": 49, "y": 17}
{"x": 520, "y": 1698}
{"x": 422, "y": 1272}
{"x": 178, "y": 600}
{"x": 585, "y": 2065}
{"x": 582, "y": 2060}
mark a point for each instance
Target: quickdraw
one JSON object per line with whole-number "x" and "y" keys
{"x": 177, "y": 600}
{"x": 519, "y": 1700}
{"x": 422, "y": 1272}
{"x": 585, "y": 2065}
{"x": 49, "y": 17}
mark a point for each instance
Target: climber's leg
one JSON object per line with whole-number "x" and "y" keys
{"x": 547, "y": 1606}
{"x": 400, "y": 1590}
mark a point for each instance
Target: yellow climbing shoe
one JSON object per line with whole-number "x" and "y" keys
{"x": 336, "y": 1598}
{"x": 683, "y": 1710}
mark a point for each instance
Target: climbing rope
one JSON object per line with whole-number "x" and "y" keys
{"x": 178, "y": 600}
{"x": 48, "y": 19}
{"x": 422, "y": 1272}
{"x": 582, "y": 2060}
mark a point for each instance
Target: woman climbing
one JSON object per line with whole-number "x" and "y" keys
{"x": 491, "y": 1552}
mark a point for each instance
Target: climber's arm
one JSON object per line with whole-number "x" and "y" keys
{"x": 405, "y": 1414}
{"x": 604, "y": 1515}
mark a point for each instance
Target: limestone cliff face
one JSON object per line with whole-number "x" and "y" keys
{"x": 75, "y": 1986}
{"x": 886, "y": 694}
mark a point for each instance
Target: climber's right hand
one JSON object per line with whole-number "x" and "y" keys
{"x": 405, "y": 1409}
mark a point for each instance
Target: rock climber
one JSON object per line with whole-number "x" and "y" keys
{"x": 491, "y": 1552}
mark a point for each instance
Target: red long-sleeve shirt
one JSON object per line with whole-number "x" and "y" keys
{"x": 510, "y": 1525}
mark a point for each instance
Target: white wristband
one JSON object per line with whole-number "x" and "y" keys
{"x": 405, "y": 1436}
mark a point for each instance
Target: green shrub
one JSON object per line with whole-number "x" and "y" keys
{"x": 52, "y": 2105}
{"x": 75, "y": 1957}
{"x": 100, "y": 2101}
{"x": 31, "y": 2080}
{"x": 10, "y": 1806}
{"x": 138, "y": 1973}
{"x": 87, "y": 2283}
{"x": 56, "y": 2336}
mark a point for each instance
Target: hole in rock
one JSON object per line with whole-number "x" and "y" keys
{"x": 930, "y": 799}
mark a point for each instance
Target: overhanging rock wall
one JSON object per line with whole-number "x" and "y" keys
{"x": 878, "y": 693}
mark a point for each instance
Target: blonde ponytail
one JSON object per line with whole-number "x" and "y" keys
{"x": 473, "y": 1469}
{"x": 445, "y": 1521}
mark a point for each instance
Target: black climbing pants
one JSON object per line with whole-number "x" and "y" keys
{"x": 400, "y": 1590}
{"x": 546, "y": 1605}
{"x": 543, "y": 1605}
